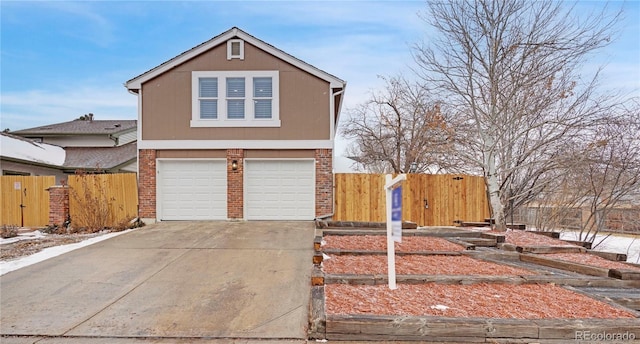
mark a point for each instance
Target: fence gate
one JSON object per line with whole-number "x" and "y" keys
{"x": 24, "y": 200}
{"x": 428, "y": 199}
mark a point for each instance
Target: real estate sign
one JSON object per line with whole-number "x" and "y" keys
{"x": 396, "y": 214}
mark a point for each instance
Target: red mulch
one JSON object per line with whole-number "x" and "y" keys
{"x": 414, "y": 264}
{"x": 590, "y": 259}
{"x": 522, "y": 238}
{"x": 527, "y": 301}
{"x": 379, "y": 243}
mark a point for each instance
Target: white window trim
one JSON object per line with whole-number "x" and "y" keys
{"x": 222, "y": 120}
{"x": 230, "y": 55}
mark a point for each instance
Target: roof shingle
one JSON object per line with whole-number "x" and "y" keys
{"x": 95, "y": 127}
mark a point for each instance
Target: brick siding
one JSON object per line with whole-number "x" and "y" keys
{"x": 147, "y": 183}
{"x": 58, "y": 204}
{"x": 235, "y": 187}
{"x": 324, "y": 181}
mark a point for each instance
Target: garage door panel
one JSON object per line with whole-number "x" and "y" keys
{"x": 192, "y": 190}
{"x": 280, "y": 189}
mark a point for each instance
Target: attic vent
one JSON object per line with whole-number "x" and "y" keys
{"x": 235, "y": 49}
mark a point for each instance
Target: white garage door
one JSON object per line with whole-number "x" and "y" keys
{"x": 279, "y": 190}
{"x": 192, "y": 190}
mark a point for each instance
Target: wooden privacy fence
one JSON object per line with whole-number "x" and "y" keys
{"x": 427, "y": 199}
{"x": 92, "y": 194}
{"x": 25, "y": 200}
{"x": 117, "y": 192}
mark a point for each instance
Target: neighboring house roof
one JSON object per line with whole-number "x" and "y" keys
{"x": 19, "y": 148}
{"x": 100, "y": 158}
{"x": 135, "y": 83}
{"x": 81, "y": 127}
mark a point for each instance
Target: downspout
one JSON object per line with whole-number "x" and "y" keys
{"x": 333, "y": 174}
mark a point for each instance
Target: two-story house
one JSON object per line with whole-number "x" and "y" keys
{"x": 235, "y": 128}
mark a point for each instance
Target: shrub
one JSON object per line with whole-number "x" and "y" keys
{"x": 8, "y": 231}
{"x": 93, "y": 212}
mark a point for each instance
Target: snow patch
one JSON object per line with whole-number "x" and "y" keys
{"x": 23, "y": 236}
{"x": 50, "y": 252}
{"x": 440, "y": 307}
{"x": 32, "y": 151}
{"x": 617, "y": 243}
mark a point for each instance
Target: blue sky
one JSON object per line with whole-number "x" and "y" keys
{"x": 61, "y": 59}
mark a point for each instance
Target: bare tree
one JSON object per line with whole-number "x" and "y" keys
{"x": 399, "y": 129}
{"x": 608, "y": 169}
{"x": 512, "y": 70}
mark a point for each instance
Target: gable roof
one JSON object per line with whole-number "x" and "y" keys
{"x": 81, "y": 127}
{"x": 136, "y": 83}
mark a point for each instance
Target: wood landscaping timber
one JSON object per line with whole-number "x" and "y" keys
{"x": 616, "y": 257}
{"x": 317, "y": 317}
{"x": 317, "y": 243}
{"x": 564, "y": 265}
{"x": 499, "y": 238}
{"x": 474, "y": 224}
{"x": 624, "y": 274}
{"x": 379, "y": 279}
{"x": 584, "y": 244}
{"x": 481, "y": 242}
{"x": 317, "y": 276}
{"x": 408, "y": 232}
{"x": 570, "y": 329}
{"x": 317, "y": 258}
{"x": 606, "y": 300}
{"x": 627, "y": 302}
{"x": 466, "y": 245}
{"x": 554, "y": 235}
{"x": 582, "y": 281}
{"x": 471, "y": 330}
{"x": 339, "y": 252}
{"x": 550, "y": 249}
{"x": 507, "y": 247}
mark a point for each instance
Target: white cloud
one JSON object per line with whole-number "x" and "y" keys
{"x": 65, "y": 104}
{"x": 88, "y": 24}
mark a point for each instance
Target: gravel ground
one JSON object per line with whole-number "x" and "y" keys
{"x": 33, "y": 242}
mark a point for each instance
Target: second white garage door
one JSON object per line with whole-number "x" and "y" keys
{"x": 192, "y": 189}
{"x": 279, "y": 189}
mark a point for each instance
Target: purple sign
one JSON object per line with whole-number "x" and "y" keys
{"x": 396, "y": 214}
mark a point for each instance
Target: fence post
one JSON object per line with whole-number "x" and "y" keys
{"x": 58, "y": 204}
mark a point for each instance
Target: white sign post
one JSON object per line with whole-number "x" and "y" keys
{"x": 391, "y": 250}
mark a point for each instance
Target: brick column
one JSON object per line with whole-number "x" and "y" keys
{"x": 324, "y": 181}
{"x": 147, "y": 183}
{"x": 58, "y": 204}
{"x": 235, "y": 186}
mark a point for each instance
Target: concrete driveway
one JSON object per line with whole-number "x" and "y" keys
{"x": 217, "y": 282}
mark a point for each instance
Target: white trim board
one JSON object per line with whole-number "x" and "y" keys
{"x": 238, "y": 144}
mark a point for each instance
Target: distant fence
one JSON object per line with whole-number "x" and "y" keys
{"x": 427, "y": 199}
{"x": 24, "y": 200}
{"x": 118, "y": 192}
{"x": 625, "y": 220}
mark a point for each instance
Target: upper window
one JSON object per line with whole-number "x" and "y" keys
{"x": 235, "y": 49}
{"x": 235, "y": 99}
